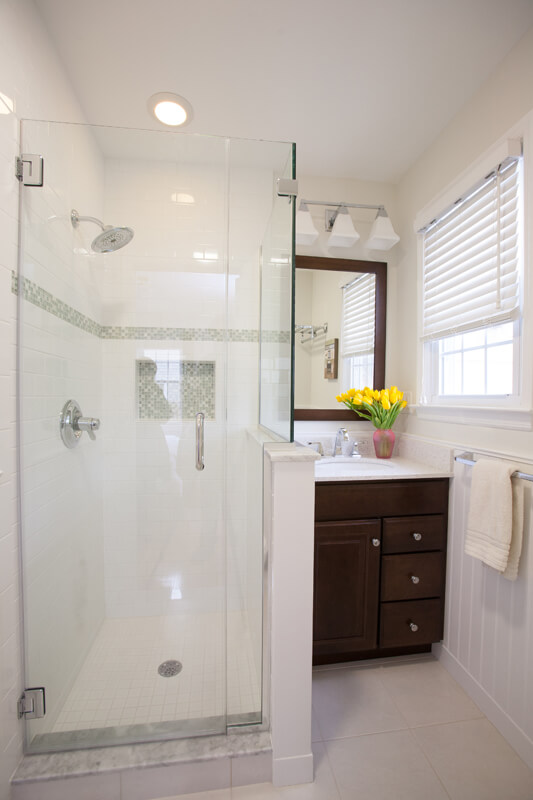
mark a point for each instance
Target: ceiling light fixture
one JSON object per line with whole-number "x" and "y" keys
{"x": 339, "y": 223}
{"x": 306, "y": 233}
{"x": 170, "y": 109}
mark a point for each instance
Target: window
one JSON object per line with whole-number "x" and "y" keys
{"x": 358, "y": 330}
{"x": 472, "y": 294}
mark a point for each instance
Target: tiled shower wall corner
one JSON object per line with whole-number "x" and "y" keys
{"x": 34, "y": 85}
{"x": 62, "y": 522}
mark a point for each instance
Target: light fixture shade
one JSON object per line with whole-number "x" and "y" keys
{"x": 343, "y": 233}
{"x": 306, "y": 233}
{"x": 382, "y": 236}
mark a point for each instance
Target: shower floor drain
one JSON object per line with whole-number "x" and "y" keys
{"x": 169, "y": 668}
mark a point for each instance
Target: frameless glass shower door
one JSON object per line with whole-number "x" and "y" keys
{"x": 138, "y": 342}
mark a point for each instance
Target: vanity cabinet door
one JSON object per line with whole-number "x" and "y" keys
{"x": 346, "y": 594}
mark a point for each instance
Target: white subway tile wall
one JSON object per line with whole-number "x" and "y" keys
{"x": 34, "y": 85}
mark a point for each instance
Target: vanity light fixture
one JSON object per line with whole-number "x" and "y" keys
{"x": 343, "y": 233}
{"x": 306, "y": 233}
{"x": 170, "y": 109}
{"x": 382, "y": 235}
{"x": 339, "y": 222}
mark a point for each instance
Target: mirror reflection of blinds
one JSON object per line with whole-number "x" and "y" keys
{"x": 471, "y": 259}
{"x": 358, "y": 316}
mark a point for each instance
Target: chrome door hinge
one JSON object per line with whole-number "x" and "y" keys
{"x": 31, "y": 703}
{"x": 29, "y": 169}
{"x": 287, "y": 187}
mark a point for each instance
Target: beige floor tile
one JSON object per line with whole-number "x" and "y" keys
{"x": 475, "y": 762}
{"x": 385, "y": 766}
{"x": 426, "y": 694}
{"x": 324, "y": 786}
{"x": 351, "y": 702}
{"x": 257, "y": 791}
{"x": 214, "y": 794}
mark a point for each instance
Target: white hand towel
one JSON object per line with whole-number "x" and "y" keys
{"x": 494, "y": 520}
{"x": 511, "y": 572}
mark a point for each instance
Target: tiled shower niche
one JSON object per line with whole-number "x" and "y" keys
{"x": 180, "y": 389}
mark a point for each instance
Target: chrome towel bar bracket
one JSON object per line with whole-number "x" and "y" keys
{"x": 469, "y": 460}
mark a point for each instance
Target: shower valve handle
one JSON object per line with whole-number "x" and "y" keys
{"x": 72, "y": 423}
{"x": 89, "y": 424}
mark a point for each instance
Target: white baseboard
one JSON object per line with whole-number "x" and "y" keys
{"x": 516, "y": 737}
{"x": 289, "y": 771}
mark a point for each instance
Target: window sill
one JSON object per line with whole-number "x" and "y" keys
{"x": 489, "y": 417}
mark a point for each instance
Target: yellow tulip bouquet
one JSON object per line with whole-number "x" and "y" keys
{"x": 380, "y": 406}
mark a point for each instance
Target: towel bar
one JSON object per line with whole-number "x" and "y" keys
{"x": 468, "y": 458}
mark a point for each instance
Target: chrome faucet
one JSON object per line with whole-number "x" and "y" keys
{"x": 343, "y": 449}
{"x": 341, "y": 436}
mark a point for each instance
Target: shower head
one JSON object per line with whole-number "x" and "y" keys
{"x": 109, "y": 240}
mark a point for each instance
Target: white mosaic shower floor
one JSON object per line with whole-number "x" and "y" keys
{"x": 119, "y": 683}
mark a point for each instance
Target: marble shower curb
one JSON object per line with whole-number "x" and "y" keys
{"x": 204, "y": 762}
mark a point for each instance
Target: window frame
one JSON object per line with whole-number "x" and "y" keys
{"x": 433, "y": 366}
{"x": 510, "y": 412}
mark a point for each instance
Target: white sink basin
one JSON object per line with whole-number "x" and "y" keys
{"x": 341, "y": 467}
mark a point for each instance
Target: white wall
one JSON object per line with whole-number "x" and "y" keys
{"x": 503, "y": 100}
{"x": 488, "y": 620}
{"x": 33, "y": 80}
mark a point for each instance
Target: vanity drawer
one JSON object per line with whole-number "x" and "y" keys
{"x": 352, "y": 500}
{"x": 410, "y": 576}
{"x": 410, "y": 623}
{"x": 412, "y": 534}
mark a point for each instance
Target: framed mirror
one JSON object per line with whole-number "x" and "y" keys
{"x": 340, "y": 331}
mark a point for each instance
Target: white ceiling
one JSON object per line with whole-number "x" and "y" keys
{"x": 362, "y": 86}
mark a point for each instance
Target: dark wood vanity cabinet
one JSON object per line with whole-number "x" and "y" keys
{"x": 380, "y": 559}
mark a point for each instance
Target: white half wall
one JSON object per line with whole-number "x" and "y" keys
{"x": 289, "y": 528}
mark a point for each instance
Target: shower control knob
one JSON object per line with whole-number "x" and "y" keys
{"x": 417, "y": 536}
{"x": 89, "y": 424}
{"x": 72, "y": 423}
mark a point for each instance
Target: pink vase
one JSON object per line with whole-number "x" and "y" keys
{"x": 383, "y": 443}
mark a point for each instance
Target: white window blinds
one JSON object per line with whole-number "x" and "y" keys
{"x": 471, "y": 258}
{"x": 358, "y": 316}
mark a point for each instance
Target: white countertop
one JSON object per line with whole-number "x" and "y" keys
{"x": 375, "y": 469}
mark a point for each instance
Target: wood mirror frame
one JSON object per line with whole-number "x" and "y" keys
{"x": 379, "y": 269}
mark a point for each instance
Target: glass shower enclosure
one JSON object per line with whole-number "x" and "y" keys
{"x": 142, "y": 259}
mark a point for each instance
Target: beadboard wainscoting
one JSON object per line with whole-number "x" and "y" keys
{"x": 488, "y": 634}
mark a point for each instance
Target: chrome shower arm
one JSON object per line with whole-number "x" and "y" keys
{"x": 76, "y": 219}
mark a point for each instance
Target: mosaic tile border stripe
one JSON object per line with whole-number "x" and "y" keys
{"x": 39, "y": 297}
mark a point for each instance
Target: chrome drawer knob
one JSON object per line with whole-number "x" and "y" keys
{"x": 376, "y": 542}
{"x": 416, "y": 536}
{"x": 413, "y": 627}
{"x": 415, "y": 579}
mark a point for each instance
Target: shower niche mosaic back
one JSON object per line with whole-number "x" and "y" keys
{"x": 179, "y": 389}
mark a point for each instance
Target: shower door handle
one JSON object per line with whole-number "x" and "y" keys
{"x": 200, "y": 441}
